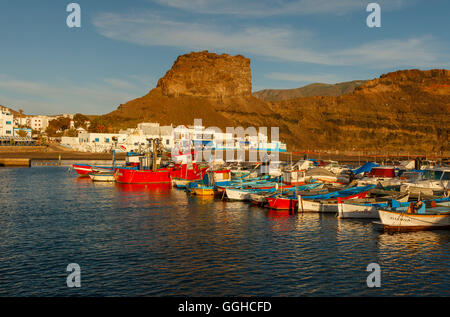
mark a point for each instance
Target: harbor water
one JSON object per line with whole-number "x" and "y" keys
{"x": 152, "y": 240}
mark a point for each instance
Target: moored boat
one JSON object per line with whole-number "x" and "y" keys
{"x": 369, "y": 210}
{"x": 102, "y": 177}
{"x": 85, "y": 169}
{"x": 415, "y": 217}
{"x": 328, "y": 202}
{"x": 132, "y": 176}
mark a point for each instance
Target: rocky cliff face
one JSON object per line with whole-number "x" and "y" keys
{"x": 202, "y": 85}
{"x": 205, "y": 74}
{"x": 400, "y": 111}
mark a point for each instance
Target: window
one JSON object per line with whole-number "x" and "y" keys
{"x": 97, "y": 140}
{"x": 107, "y": 140}
{"x": 8, "y": 131}
{"x": 167, "y": 142}
{"x": 8, "y": 122}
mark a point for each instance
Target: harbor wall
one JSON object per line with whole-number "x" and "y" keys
{"x": 16, "y": 162}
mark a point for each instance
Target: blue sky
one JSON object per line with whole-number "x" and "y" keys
{"x": 124, "y": 47}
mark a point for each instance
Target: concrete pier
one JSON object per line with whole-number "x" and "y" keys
{"x": 24, "y": 162}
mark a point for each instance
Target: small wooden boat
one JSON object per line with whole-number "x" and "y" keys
{"x": 327, "y": 203}
{"x": 359, "y": 210}
{"x": 325, "y": 206}
{"x": 245, "y": 194}
{"x": 102, "y": 176}
{"x": 415, "y": 217}
{"x": 203, "y": 190}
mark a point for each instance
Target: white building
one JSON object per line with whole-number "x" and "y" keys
{"x": 39, "y": 123}
{"x": 181, "y": 138}
{"x": 6, "y": 123}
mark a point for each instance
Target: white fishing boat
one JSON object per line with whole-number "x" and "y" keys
{"x": 346, "y": 210}
{"x": 102, "y": 177}
{"x": 237, "y": 194}
{"x": 245, "y": 194}
{"x": 435, "y": 182}
{"x": 322, "y": 206}
{"x": 415, "y": 218}
{"x": 352, "y": 210}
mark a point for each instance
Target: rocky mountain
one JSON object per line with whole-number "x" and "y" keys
{"x": 317, "y": 89}
{"x": 215, "y": 88}
{"x": 226, "y": 76}
{"x": 400, "y": 111}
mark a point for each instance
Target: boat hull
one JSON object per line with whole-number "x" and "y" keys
{"x": 326, "y": 206}
{"x": 129, "y": 176}
{"x": 353, "y": 211}
{"x": 102, "y": 177}
{"x": 400, "y": 221}
{"x": 282, "y": 203}
{"x": 203, "y": 191}
{"x": 236, "y": 194}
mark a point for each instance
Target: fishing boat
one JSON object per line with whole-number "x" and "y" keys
{"x": 436, "y": 182}
{"x": 183, "y": 174}
{"x": 282, "y": 203}
{"x": 260, "y": 198}
{"x": 369, "y": 210}
{"x": 201, "y": 188}
{"x": 415, "y": 217}
{"x": 132, "y": 176}
{"x": 327, "y": 203}
{"x": 245, "y": 194}
{"x": 85, "y": 169}
{"x": 221, "y": 177}
{"x": 102, "y": 176}
{"x": 204, "y": 190}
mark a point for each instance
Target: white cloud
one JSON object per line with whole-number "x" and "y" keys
{"x": 283, "y": 43}
{"x": 261, "y": 8}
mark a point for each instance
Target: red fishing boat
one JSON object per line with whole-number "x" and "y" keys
{"x": 132, "y": 176}
{"x": 186, "y": 172}
{"x": 282, "y": 203}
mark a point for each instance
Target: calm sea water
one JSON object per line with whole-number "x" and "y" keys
{"x": 142, "y": 240}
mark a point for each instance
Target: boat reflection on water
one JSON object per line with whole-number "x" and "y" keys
{"x": 82, "y": 180}
{"x": 155, "y": 187}
{"x": 417, "y": 241}
{"x": 281, "y": 221}
{"x": 279, "y": 214}
{"x": 349, "y": 226}
{"x": 202, "y": 200}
